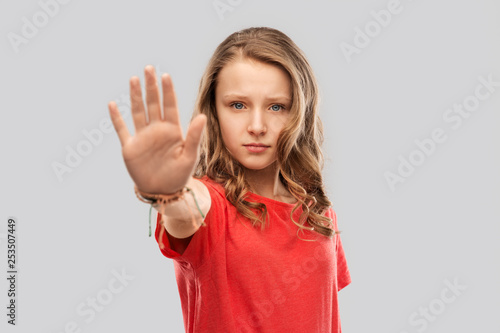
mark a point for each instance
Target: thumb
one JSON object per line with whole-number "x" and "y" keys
{"x": 193, "y": 135}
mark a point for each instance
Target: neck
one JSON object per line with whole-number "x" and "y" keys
{"x": 266, "y": 183}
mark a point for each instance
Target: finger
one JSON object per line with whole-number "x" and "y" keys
{"x": 138, "y": 111}
{"x": 169, "y": 100}
{"x": 118, "y": 123}
{"x": 152, "y": 94}
{"x": 193, "y": 135}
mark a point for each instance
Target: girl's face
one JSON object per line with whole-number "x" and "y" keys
{"x": 253, "y": 101}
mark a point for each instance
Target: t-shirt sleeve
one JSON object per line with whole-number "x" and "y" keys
{"x": 343, "y": 275}
{"x": 206, "y": 238}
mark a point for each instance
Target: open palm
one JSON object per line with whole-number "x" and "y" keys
{"x": 157, "y": 157}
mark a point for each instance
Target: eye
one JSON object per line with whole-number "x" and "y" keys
{"x": 279, "y": 107}
{"x": 239, "y": 106}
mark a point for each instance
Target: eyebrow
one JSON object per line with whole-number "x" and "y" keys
{"x": 238, "y": 96}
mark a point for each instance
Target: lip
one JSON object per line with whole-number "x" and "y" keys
{"x": 256, "y": 147}
{"x": 256, "y": 144}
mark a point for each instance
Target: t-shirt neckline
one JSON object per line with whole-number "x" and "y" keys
{"x": 260, "y": 198}
{"x": 256, "y": 197}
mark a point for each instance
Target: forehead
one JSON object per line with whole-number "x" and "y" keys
{"x": 247, "y": 77}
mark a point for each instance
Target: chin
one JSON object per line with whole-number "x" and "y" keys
{"x": 256, "y": 166}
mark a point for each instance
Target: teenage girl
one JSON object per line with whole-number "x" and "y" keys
{"x": 241, "y": 203}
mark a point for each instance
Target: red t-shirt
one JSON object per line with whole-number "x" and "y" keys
{"x": 233, "y": 277}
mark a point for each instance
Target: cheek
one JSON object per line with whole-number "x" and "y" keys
{"x": 228, "y": 136}
{"x": 224, "y": 132}
{"x": 277, "y": 127}
{"x": 230, "y": 128}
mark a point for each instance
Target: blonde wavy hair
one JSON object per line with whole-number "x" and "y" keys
{"x": 299, "y": 157}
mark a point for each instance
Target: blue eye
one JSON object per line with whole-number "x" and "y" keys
{"x": 280, "y": 107}
{"x": 238, "y": 108}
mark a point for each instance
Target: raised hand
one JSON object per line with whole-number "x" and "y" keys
{"x": 157, "y": 157}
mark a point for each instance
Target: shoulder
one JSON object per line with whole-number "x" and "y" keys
{"x": 212, "y": 183}
{"x": 330, "y": 212}
{"x": 215, "y": 189}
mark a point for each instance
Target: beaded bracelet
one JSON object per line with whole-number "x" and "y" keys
{"x": 163, "y": 199}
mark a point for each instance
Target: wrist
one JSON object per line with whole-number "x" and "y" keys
{"x": 157, "y": 199}
{"x": 161, "y": 201}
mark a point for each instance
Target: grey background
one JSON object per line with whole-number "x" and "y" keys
{"x": 441, "y": 224}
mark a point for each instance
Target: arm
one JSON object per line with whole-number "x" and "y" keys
{"x": 158, "y": 158}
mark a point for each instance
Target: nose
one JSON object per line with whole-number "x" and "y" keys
{"x": 257, "y": 123}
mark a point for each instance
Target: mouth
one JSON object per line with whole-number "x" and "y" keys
{"x": 256, "y": 147}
